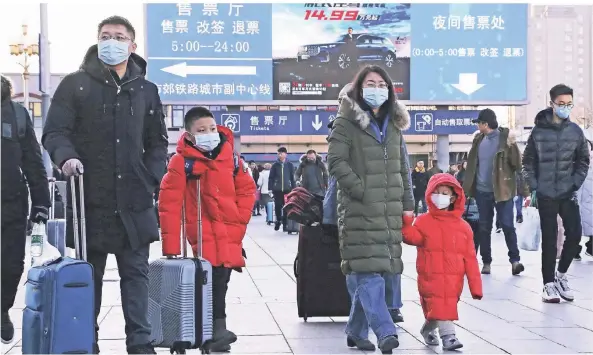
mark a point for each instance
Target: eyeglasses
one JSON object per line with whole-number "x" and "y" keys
{"x": 564, "y": 105}
{"x": 118, "y": 38}
{"x": 373, "y": 85}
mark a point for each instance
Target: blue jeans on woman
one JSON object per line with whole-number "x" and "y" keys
{"x": 372, "y": 296}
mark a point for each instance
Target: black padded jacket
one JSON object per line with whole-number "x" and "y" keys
{"x": 556, "y": 158}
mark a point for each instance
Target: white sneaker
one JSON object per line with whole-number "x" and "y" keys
{"x": 561, "y": 284}
{"x": 550, "y": 294}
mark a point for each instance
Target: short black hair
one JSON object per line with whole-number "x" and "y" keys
{"x": 311, "y": 151}
{"x": 560, "y": 89}
{"x": 252, "y": 162}
{"x": 118, "y": 20}
{"x": 194, "y": 114}
{"x": 282, "y": 150}
{"x": 355, "y": 92}
{"x": 6, "y": 89}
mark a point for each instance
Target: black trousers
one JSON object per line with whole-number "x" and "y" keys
{"x": 133, "y": 272}
{"x": 278, "y": 204}
{"x": 568, "y": 209}
{"x": 220, "y": 285}
{"x": 14, "y": 240}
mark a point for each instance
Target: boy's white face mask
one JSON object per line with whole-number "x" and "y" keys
{"x": 441, "y": 201}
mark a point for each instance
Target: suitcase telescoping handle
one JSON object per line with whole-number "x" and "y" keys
{"x": 79, "y": 239}
{"x": 52, "y": 196}
{"x": 183, "y": 233}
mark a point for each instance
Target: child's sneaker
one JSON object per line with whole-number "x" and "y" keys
{"x": 450, "y": 342}
{"x": 550, "y": 294}
{"x": 561, "y": 284}
{"x": 430, "y": 337}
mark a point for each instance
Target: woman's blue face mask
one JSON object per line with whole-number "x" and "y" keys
{"x": 375, "y": 96}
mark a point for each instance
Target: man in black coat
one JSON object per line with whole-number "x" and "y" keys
{"x": 281, "y": 182}
{"x": 21, "y": 165}
{"x": 555, "y": 165}
{"x": 106, "y": 120}
{"x": 420, "y": 182}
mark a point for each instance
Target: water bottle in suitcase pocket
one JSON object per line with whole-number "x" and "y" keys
{"x": 180, "y": 297}
{"x": 59, "y": 314}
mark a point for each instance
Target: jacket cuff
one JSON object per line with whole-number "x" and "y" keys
{"x": 408, "y": 205}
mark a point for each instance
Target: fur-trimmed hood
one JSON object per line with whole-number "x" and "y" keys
{"x": 350, "y": 110}
{"x": 303, "y": 159}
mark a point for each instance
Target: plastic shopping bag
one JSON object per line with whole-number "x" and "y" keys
{"x": 529, "y": 232}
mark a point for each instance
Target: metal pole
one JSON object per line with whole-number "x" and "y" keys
{"x": 45, "y": 77}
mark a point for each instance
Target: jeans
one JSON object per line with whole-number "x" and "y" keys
{"x": 133, "y": 273}
{"x": 220, "y": 281}
{"x": 519, "y": 205}
{"x": 393, "y": 291}
{"x": 504, "y": 210}
{"x": 417, "y": 200}
{"x": 568, "y": 209}
{"x": 369, "y": 307}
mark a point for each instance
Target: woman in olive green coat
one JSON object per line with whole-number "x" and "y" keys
{"x": 368, "y": 157}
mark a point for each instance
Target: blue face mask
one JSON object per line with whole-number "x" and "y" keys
{"x": 113, "y": 52}
{"x": 562, "y": 111}
{"x": 207, "y": 142}
{"x": 375, "y": 97}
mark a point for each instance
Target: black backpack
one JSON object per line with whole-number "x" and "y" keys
{"x": 21, "y": 118}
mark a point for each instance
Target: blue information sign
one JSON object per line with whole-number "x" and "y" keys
{"x": 469, "y": 53}
{"x": 255, "y": 123}
{"x": 210, "y": 52}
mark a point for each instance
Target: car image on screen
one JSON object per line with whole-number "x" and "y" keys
{"x": 361, "y": 47}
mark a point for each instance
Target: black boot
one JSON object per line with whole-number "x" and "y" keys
{"x": 222, "y": 337}
{"x": 141, "y": 349}
{"x": 7, "y": 330}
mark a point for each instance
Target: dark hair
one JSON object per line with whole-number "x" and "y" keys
{"x": 5, "y": 89}
{"x": 355, "y": 92}
{"x": 558, "y": 90}
{"x": 118, "y": 20}
{"x": 311, "y": 151}
{"x": 282, "y": 150}
{"x": 252, "y": 162}
{"x": 194, "y": 114}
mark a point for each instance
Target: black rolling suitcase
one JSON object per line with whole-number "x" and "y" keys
{"x": 321, "y": 286}
{"x": 472, "y": 217}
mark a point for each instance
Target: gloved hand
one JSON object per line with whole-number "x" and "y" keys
{"x": 271, "y": 194}
{"x": 39, "y": 214}
{"x": 72, "y": 167}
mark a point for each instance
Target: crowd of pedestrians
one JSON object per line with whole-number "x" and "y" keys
{"x": 106, "y": 123}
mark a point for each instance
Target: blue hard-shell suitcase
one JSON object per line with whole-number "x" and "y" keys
{"x": 59, "y": 314}
{"x": 270, "y": 212}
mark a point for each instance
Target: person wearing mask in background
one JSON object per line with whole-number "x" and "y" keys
{"x": 460, "y": 176}
{"x": 434, "y": 169}
{"x": 22, "y": 165}
{"x": 492, "y": 164}
{"x": 281, "y": 182}
{"x": 419, "y": 181}
{"x": 312, "y": 173}
{"x": 368, "y": 157}
{"x": 555, "y": 165}
{"x": 262, "y": 185}
{"x": 255, "y": 175}
{"x": 393, "y": 291}
{"x": 585, "y": 195}
{"x": 106, "y": 121}
{"x": 227, "y": 196}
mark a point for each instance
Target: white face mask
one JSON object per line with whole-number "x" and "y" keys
{"x": 441, "y": 201}
{"x": 207, "y": 142}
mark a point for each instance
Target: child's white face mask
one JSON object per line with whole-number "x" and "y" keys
{"x": 441, "y": 201}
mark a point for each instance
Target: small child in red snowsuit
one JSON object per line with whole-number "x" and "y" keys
{"x": 446, "y": 253}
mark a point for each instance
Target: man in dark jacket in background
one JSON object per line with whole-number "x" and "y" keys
{"x": 312, "y": 173}
{"x": 555, "y": 165}
{"x": 21, "y": 159}
{"x": 107, "y": 120}
{"x": 434, "y": 169}
{"x": 281, "y": 182}
{"x": 420, "y": 182}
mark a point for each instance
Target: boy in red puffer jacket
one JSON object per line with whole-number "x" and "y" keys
{"x": 446, "y": 253}
{"x": 228, "y": 195}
